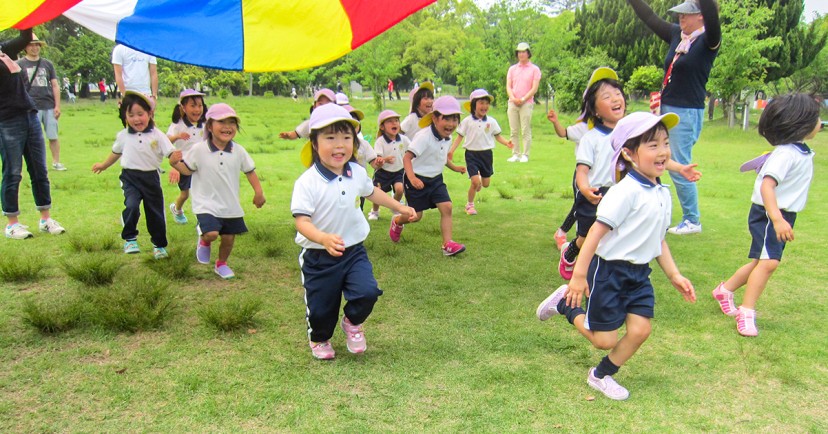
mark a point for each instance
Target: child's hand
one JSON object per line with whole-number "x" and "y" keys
{"x": 784, "y": 231}
{"x": 259, "y": 200}
{"x": 460, "y": 169}
{"x": 689, "y": 172}
{"x": 684, "y": 287}
{"x": 98, "y": 168}
{"x": 416, "y": 183}
{"x": 510, "y": 145}
{"x": 578, "y": 287}
{"x": 552, "y": 116}
{"x": 285, "y": 135}
{"x": 593, "y": 195}
{"x": 184, "y": 136}
{"x": 407, "y": 212}
{"x": 389, "y": 159}
{"x": 176, "y": 157}
{"x": 333, "y": 244}
{"x": 174, "y": 176}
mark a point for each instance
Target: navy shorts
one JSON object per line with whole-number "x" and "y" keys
{"x": 479, "y": 163}
{"x": 224, "y": 226}
{"x": 764, "y": 244}
{"x": 585, "y": 212}
{"x": 385, "y": 180}
{"x": 617, "y": 288}
{"x": 184, "y": 182}
{"x": 433, "y": 192}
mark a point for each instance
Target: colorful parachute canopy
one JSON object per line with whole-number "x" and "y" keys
{"x": 249, "y": 35}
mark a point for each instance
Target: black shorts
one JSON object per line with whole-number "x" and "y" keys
{"x": 479, "y": 163}
{"x": 764, "y": 244}
{"x": 433, "y": 192}
{"x": 617, "y": 288}
{"x": 385, "y": 180}
{"x": 184, "y": 182}
{"x": 585, "y": 212}
{"x": 224, "y": 226}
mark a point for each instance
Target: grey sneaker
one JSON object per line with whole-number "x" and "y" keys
{"x": 59, "y": 167}
{"x": 686, "y": 228}
{"x": 607, "y": 386}
{"x": 51, "y": 227}
{"x": 18, "y": 232}
{"x": 549, "y": 307}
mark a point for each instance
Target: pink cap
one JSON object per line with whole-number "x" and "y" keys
{"x": 445, "y": 105}
{"x": 385, "y": 115}
{"x": 328, "y": 114}
{"x": 634, "y": 125}
{"x": 426, "y": 85}
{"x": 477, "y": 94}
{"x": 149, "y": 100}
{"x": 342, "y": 99}
{"x": 326, "y": 93}
{"x": 359, "y": 114}
{"x": 188, "y": 92}
{"x": 221, "y": 111}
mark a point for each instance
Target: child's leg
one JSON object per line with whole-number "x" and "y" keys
{"x": 398, "y": 191}
{"x": 322, "y": 279}
{"x": 740, "y": 277}
{"x": 638, "y": 330}
{"x": 757, "y": 281}
{"x": 474, "y": 187}
{"x": 182, "y": 197}
{"x": 209, "y": 237}
{"x": 485, "y": 182}
{"x": 401, "y": 220}
{"x": 360, "y": 288}
{"x": 227, "y": 241}
{"x": 132, "y": 208}
{"x": 154, "y": 211}
{"x": 445, "y": 220}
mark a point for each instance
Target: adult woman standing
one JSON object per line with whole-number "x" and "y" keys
{"x": 21, "y": 138}
{"x": 694, "y": 44}
{"x": 522, "y": 82}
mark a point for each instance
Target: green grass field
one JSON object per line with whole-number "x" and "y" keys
{"x": 454, "y": 344}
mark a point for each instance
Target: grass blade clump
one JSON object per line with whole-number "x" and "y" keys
{"x": 93, "y": 269}
{"x": 176, "y": 267}
{"x": 89, "y": 243}
{"x": 133, "y": 304}
{"x": 230, "y": 315}
{"x": 53, "y": 315}
{"x": 24, "y": 268}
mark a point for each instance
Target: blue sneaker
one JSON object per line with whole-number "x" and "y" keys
{"x": 224, "y": 272}
{"x": 178, "y": 215}
{"x": 160, "y": 253}
{"x": 131, "y": 247}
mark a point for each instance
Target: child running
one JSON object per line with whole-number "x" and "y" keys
{"x": 390, "y": 146}
{"x": 331, "y": 228}
{"x": 424, "y": 161}
{"x": 480, "y": 132}
{"x": 613, "y": 270}
{"x": 779, "y": 193}
{"x": 214, "y": 164}
{"x": 320, "y": 98}
{"x": 421, "y": 99}
{"x": 187, "y": 129}
{"x": 141, "y": 147}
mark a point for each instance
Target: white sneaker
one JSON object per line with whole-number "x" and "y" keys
{"x": 59, "y": 167}
{"x": 51, "y": 227}
{"x": 608, "y": 386}
{"x": 18, "y": 232}
{"x": 514, "y": 158}
{"x": 685, "y": 228}
{"x": 524, "y": 158}
{"x": 373, "y": 215}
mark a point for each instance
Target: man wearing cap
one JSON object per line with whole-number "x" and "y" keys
{"x": 42, "y": 84}
{"x": 135, "y": 71}
{"x": 694, "y": 44}
{"x": 522, "y": 82}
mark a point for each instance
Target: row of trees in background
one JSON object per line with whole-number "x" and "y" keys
{"x": 766, "y": 46}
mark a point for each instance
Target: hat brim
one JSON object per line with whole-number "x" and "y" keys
{"x": 670, "y": 120}
{"x": 467, "y": 104}
{"x": 685, "y": 8}
{"x": 755, "y": 163}
{"x": 306, "y": 154}
{"x": 426, "y": 120}
{"x": 602, "y": 73}
{"x": 181, "y": 98}
{"x": 142, "y": 96}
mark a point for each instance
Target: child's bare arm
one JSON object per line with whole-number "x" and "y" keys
{"x": 409, "y": 171}
{"x": 258, "y": 195}
{"x": 181, "y": 166}
{"x": 380, "y": 198}
{"x": 507, "y": 143}
{"x": 582, "y": 181}
{"x": 688, "y": 171}
{"x": 559, "y": 128}
{"x": 110, "y": 160}
{"x": 578, "y": 286}
{"x": 459, "y": 169}
{"x": 331, "y": 242}
{"x": 784, "y": 231}
{"x": 668, "y": 265}
{"x": 457, "y": 141}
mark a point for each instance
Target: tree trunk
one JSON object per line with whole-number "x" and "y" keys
{"x": 731, "y": 111}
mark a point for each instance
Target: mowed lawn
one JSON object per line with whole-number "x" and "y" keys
{"x": 454, "y": 344}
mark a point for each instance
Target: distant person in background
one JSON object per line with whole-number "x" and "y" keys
{"x": 390, "y": 89}
{"x": 694, "y": 44}
{"x": 135, "y": 71}
{"x": 43, "y": 87}
{"x": 70, "y": 90}
{"x": 522, "y": 83}
{"x": 102, "y": 89}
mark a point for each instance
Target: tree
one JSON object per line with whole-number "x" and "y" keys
{"x": 644, "y": 79}
{"x": 814, "y": 77}
{"x": 800, "y": 43}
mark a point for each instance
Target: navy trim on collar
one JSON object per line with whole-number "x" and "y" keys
{"x": 188, "y": 124}
{"x": 603, "y": 128}
{"x": 436, "y": 134}
{"x": 390, "y": 140}
{"x": 642, "y": 179}
{"x": 802, "y": 147}
{"x": 213, "y": 148}
{"x": 484, "y": 118}
{"x": 132, "y": 130}
{"x": 330, "y": 176}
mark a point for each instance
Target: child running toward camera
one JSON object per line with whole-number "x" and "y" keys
{"x": 302, "y": 131}
{"x": 613, "y": 270}
{"x": 141, "y": 147}
{"x": 187, "y": 129}
{"x": 390, "y": 146}
{"x": 421, "y": 101}
{"x": 331, "y": 229}
{"x": 779, "y": 194}
{"x": 215, "y": 164}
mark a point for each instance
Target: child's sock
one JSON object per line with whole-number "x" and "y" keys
{"x": 569, "y": 312}
{"x": 469, "y": 203}
{"x": 572, "y": 251}
{"x": 42, "y": 221}
{"x": 203, "y": 243}
{"x": 220, "y": 263}
{"x": 606, "y": 367}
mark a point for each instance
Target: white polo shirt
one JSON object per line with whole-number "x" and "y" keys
{"x": 410, "y": 126}
{"x": 575, "y": 133}
{"x": 196, "y": 133}
{"x": 135, "y": 66}
{"x": 142, "y": 150}
{"x": 639, "y": 213}
{"x": 595, "y": 151}
{"x": 392, "y": 147}
{"x": 430, "y": 152}
{"x": 365, "y": 154}
{"x": 215, "y": 185}
{"x": 792, "y": 166}
{"x": 303, "y": 129}
{"x": 479, "y": 134}
{"x": 332, "y": 203}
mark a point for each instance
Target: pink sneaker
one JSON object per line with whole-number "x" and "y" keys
{"x": 560, "y": 238}
{"x": 395, "y": 231}
{"x": 354, "y": 336}
{"x": 746, "y": 322}
{"x": 470, "y": 209}
{"x": 607, "y": 386}
{"x": 549, "y": 307}
{"x": 452, "y": 248}
{"x": 725, "y": 299}
{"x": 565, "y": 267}
{"x": 322, "y": 350}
